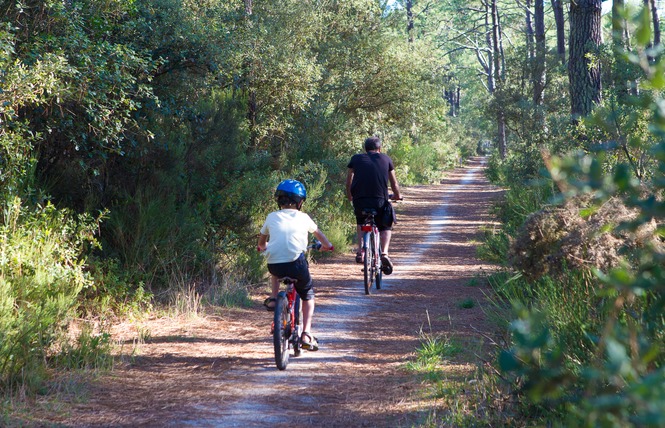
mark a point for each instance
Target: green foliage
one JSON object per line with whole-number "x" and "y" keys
{"x": 518, "y": 203}
{"x": 41, "y": 275}
{"x": 432, "y": 352}
{"x": 599, "y": 362}
{"x": 90, "y": 351}
{"x": 466, "y": 303}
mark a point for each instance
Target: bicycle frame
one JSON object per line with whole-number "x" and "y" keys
{"x": 372, "y": 249}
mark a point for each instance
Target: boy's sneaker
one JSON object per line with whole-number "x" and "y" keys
{"x": 386, "y": 264}
{"x": 309, "y": 342}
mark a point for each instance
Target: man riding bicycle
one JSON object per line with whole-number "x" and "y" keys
{"x": 283, "y": 239}
{"x": 367, "y": 188}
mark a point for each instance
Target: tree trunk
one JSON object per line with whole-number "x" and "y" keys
{"x": 619, "y": 46}
{"x": 491, "y": 84}
{"x": 539, "y": 68}
{"x": 557, "y": 7}
{"x": 647, "y": 6}
{"x": 251, "y": 92}
{"x": 409, "y": 20}
{"x": 618, "y": 26}
{"x": 457, "y": 99}
{"x": 529, "y": 30}
{"x": 585, "y": 38}
{"x": 656, "y": 23}
{"x": 498, "y": 77}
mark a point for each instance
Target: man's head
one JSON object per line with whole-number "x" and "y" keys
{"x": 290, "y": 194}
{"x": 372, "y": 144}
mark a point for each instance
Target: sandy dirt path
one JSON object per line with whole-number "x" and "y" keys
{"x": 219, "y": 371}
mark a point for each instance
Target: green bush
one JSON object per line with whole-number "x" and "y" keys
{"x": 41, "y": 275}
{"x": 589, "y": 351}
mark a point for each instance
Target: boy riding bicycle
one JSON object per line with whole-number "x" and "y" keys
{"x": 283, "y": 239}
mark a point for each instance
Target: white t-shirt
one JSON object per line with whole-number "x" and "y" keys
{"x": 288, "y": 231}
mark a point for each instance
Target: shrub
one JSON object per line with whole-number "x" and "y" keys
{"x": 41, "y": 274}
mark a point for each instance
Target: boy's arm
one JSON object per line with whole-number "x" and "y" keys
{"x": 325, "y": 244}
{"x": 263, "y": 242}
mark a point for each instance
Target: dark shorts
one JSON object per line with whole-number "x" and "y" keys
{"x": 298, "y": 270}
{"x": 381, "y": 220}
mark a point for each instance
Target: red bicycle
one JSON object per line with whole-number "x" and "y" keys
{"x": 371, "y": 251}
{"x": 371, "y": 248}
{"x": 287, "y": 325}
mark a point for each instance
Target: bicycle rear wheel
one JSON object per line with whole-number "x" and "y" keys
{"x": 378, "y": 273}
{"x": 369, "y": 256}
{"x": 282, "y": 331}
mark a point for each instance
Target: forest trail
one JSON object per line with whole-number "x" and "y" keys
{"x": 219, "y": 371}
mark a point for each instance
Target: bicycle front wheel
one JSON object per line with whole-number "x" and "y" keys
{"x": 367, "y": 267}
{"x": 282, "y": 331}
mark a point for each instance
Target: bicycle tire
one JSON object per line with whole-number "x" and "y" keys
{"x": 297, "y": 333}
{"x": 378, "y": 274}
{"x": 367, "y": 262}
{"x": 378, "y": 278}
{"x": 281, "y": 334}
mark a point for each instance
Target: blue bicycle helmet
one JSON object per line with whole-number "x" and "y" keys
{"x": 291, "y": 189}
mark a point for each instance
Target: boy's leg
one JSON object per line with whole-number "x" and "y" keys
{"x": 274, "y": 286}
{"x": 307, "y": 314}
{"x": 271, "y": 302}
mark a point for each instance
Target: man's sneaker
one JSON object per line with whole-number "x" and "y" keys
{"x": 386, "y": 264}
{"x": 359, "y": 257}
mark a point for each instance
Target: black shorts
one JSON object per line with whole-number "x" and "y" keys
{"x": 382, "y": 221}
{"x": 298, "y": 270}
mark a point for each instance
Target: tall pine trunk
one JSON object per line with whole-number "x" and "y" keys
{"x": 539, "y": 68}
{"x": 557, "y": 8}
{"x": 251, "y": 92}
{"x": 409, "y": 20}
{"x": 499, "y": 67}
{"x": 656, "y": 23}
{"x": 584, "y": 72}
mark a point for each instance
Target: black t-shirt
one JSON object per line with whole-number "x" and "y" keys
{"x": 370, "y": 175}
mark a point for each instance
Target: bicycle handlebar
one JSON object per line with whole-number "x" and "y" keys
{"x": 316, "y": 245}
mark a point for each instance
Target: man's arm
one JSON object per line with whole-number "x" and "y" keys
{"x": 394, "y": 185}
{"x": 349, "y": 180}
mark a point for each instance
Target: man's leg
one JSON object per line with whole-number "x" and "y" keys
{"x": 385, "y": 241}
{"x": 387, "y": 264}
